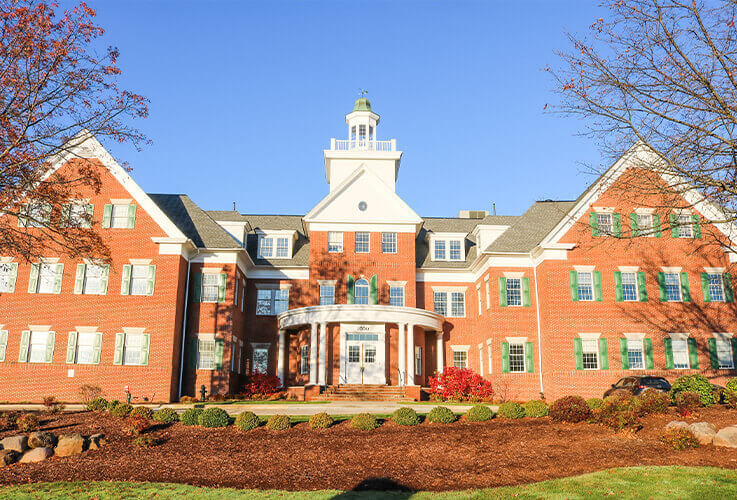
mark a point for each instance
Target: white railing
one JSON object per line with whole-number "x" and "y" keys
{"x": 362, "y": 145}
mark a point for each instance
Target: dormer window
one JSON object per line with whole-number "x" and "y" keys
{"x": 275, "y": 245}
{"x": 447, "y": 248}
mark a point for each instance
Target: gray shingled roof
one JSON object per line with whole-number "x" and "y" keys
{"x": 531, "y": 227}
{"x": 194, "y": 222}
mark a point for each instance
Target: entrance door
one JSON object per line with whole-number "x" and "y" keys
{"x": 362, "y": 363}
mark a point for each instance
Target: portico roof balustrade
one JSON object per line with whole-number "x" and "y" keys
{"x": 353, "y": 313}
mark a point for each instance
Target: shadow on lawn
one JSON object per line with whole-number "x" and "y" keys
{"x": 378, "y": 484}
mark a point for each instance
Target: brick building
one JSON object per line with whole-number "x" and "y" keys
{"x": 363, "y": 291}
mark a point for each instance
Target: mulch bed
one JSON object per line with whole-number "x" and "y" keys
{"x": 427, "y": 457}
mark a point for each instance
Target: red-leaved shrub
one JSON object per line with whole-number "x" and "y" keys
{"x": 261, "y": 384}
{"x": 135, "y": 425}
{"x": 460, "y": 384}
{"x": 570, "y": 409}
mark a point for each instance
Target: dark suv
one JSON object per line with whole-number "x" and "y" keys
{"x": 638, "y": 385}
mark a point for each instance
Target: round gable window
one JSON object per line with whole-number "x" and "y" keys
{"x": 362, "y": 206}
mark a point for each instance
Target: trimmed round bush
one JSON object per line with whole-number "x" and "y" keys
{"x": 510, "y": 409}
{"x": 595, "y": 403}
{"x": 441, "y": 415}
{"x": 618, "y": 414}
{"x": 321, "y": 421}
{"x": 649, "y": 403}
{"x": 278, "y": 422}
{"x": 247, "y": 421}
{"x": 536, "y": 409}
{"x": 687, "y": 403}
{"x": 479, "y": 413}
{"x": 214, "y": 417}
{"x": 364, "y": 422}
{"x": 142, "y": 411}
{"x": 406, "y": 416}
{"x": 191, "y": 416}
{"x": 121, "y": 410}
{"x": 166, "y": 416}
{"x": 570, "y": 409}
{"x": 112, "y": 404}
{"x": 97, "y": 404}
{"x": 694, "y": 383}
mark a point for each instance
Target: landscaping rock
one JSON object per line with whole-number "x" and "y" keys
{"x": 726, "y": 437}
{"x": 704, "y": 432}
{"x": 69, "y": 444}
{"x": 96, "y": 441}
{"x": 8, "y": 457}
{"x": 15, "y": 443}
{"x": 41, "y": 440}
{"x": 36, "y": 455}
{"x": 676, "y": 424}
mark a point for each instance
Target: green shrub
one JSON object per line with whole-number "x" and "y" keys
{"x": 121, "y": 410}
{"x": 97, "y": 404}
{"x": 142, "y": 411}
{"x": 649, "y": 403}
{"x": 479, "y": 413}
{"x": 536, "y": 409}
{"x": 148, "y": 441}
{"x": 112, "y": 404}
{"x": 214, "y": 417}
{"x": 406, "y": 416}
{"x": 278, "y": 422}
{"x": 687, "y": 402}
{"x": 166, "y": 416}
{"x": 595, "y": 403}
{"x": 731, "y": 385}
{"x": 321, "y": 421}
{"x": 441, "y": 414}
{"x": 364, "y": 422}
{"x": 27, "y": 422}
{"x": 679, "y": 438}
{"x": 247, "y": 421}
{"x": 730, "y": 397}
{"x": 510, "y": 409}
{"x": 570, "y": 409}
{"x": 191, "y": 416}
{"x": 694, "y": 383}
{"x": 618, "y": 414}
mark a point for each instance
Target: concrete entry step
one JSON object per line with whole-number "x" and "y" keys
{"x": 357, "y": 392}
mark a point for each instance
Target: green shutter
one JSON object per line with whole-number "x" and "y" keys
{"x": 594, "y": 225}
{"x": 526, "y": 292}
{"x": 623, "y": 357}
{"x": 573, "y": 278}
{"x": 634, "y": 230}
{"x": 505, "y": 357}
{"x": 728, "y": 291}
{"x": 197, "y": 284}
{"x": 713, "y": 357}
{"x": 107, "y": 216}
{"x": 50, "y": 343}
{"x": 119, "y": 339}
{"x": 668, "y": 344}
{"x": 529, "y": 357}
{"x": 125, "y": 283}
{"x": 193, "y": 345}
{"x": 617, "y": 223}
{"x": 642, "y": 286}
{"x": 649, "y": 360}
{"x": 131, "y": 216}
{"x": 71, "y": 347}
{"x": 598, "y": 295}
{"x": 673, "y": 225}
{"x": 693, "y": 353}
{"x": 97, "y": 348}
{"x": 696, "y": 226}
{"x": 350, "y": 292}
{"x": 33, "y": 279}
{"x": 222, "y": 287}
{"x": 104, "y": 279}
{"x": 603, "y": 355}
{"x": 66, "y": 215}
{"x": 25, "y": 342}
{"x": 502, "y": 291}
{"x": 13, "y": 277}
{"x": 145, "y": 347}
{"x": 79, "y": 279}
{"x": 656, "y": 226}
{"x": 374, "y": 289}
{"x": 3, "y": 344}
{"x": 58, "y": 277}
{"x": 219, "y": 345}
{"x": 578, "y": 353}
{"x": 90, "y": 214}
{"x": 618, "y": 286}
{"x": 661, "y": 285}
{"x": 151, "y": 281}
{"x": 685, "y": 289}
{"x": 705, "y": 287}
{"x": 734, "y": 352}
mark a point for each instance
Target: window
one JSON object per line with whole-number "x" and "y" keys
{"x": 585, "y": 286}
{"x": 488, "y": 295}
{"x": 94, "y": 280}
{"x": 455, "y": 250}
{"x": 396, "y": 296}
{"x": 629, "y": 287}
{"x": 327, "y": 295}
{"x": 685, "y": 226}
{"x": 418, "y": 360}
{"x": 361, "y": 292}
{"x": 516, "y": 358}
{"x": 210, "y": 287}
{"x": 441, "y": 303}
{"x": 673, "y": 287}
{"x": 604, "y": 223}
{"x": 282, "y": 248}
{"x": 8, "y": 273}
{"x": 78, "y": 215}
{"x": 635, "y": 354}
{"x": 38, "y": 215}
{"x": 439, "y": 249}
{"x": 447, "y": 249}
{"x": 362, "y": 243}
{"x": 45, "y": 278}
{"x": 724, "y": 353}
{"x": 304, "y": 360}
{"x": 133, "y": 349}
{"x": 457, "y": 305}
{"x": 645, "y": 224}
{"x": 456, "y": 301}
{"x": 460, "y": 359}
{"x": 119, "y": 216}
{"x": 85, "y": 349}
{"x": 478, "y": 297}
{"x": 388, "y": 242}
{"x": 514, "y": 291}
{"x": 38, "y": 345}
{"x": 243, "y": 295}
{"x": 335, "y": 242}
{"x": 354, "y": 353}
{"x": 590, "y": 354}
{"x": 266, "y": 246}
{"x": 716, "y": 288}
{"x": 206, "y": 353}
{"x": 260, "y": 359}
{"x": 680, "y": 354}
{"x": 270, "y": 302}
{"x": 139, "y": 279}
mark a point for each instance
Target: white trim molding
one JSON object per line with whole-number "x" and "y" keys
{"x": 39, "y": 328}
{"x": 460, "y": 348}
{"x": 717, "y": 335}
{"x": 132, "y": 330}
{"x": 589, "y": 336}
{"x": 629, "y": 269}
{"x": 584, "y": 269}
{"x": 671, "y": 269}
{"x": 678, "y": 335}
{"x": 516, "y": 340}
{"x": 461, "y": 289}
{"x": 634, "y": 336}
{"x": 514, "y": 274}
{"x": 86, "y": 329}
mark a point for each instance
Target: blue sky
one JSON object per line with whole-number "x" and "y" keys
{"x": 246, "y": 95}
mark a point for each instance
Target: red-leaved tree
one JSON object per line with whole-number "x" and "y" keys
{"x": 460, "y": 384}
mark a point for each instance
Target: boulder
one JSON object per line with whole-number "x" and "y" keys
{"x": 8, "y": 457}
{"x": 96, "y": 441}
{"x": 41, "y": 440}
{"x": 69, "y": 444}
{"x": 726, "y": 437}
{"x": 704, "y": 432}
{"x": 38, "y": 454}
{"x": 15, "y": 443}
{"x": 676, "y": 424}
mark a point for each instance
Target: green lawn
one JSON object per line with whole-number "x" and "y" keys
{"x": 636, "y": 482}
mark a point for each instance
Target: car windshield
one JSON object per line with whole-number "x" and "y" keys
{"x": 625, "y": 382}
{"x": 654, "y": 382}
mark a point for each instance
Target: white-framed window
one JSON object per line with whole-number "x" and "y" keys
{"x": 685, "y": 226}
{"x": 49, "y": 277}
{"x": 635, "y": 354}
{"x": 645, "y": 224}
{"x": 605, "y": 224}
{"x": 488, "y": 295}
{"x": 260, "y": 360}
{"x": 335, "y": 242}
{"x": 282, "y": 248}
{"x": 271, "y": 301}
{"x": 418, "y": 360}
{"x": 37, "y": 346}
{"x": 243, "y": 295}
{"x": 449, "y": 249}
{"x": 133, "y": 349}
{"x": 304, "y": 360}
{"x": 516, "y": 357}
{"x": 439, "y": 250}
{"x": 396, "y": 296}
{"x": 716, "y": 287}
{"x": 673, "y": 287}
{"x": 388, "y": 242}
{"x": 725, "y": 356}
{"x": 363, "y": 244}
{"x": 39, "y": 214}
{"x": 455, "y": 250}
{"x": 460, "y": 358}
{"x": 206, "y": 353}
{"x": 450, "y": 304}
{"x": 210, "y": 287}
{"x": 139, "y": 279}
{"x": 85, "y": 348}
{"x": 327, "y": 295}
{"x": 681, "y": 359}
{"x": 585, "y": 286}
{"x": 590, "y": 354}
{"x": 441, "y": 303}
{"x": 514, "y": 291}
{"x": 93, "y": 279}
{"x": 457, "y": 305}
{"x": 478, "y": 297}
{"x": 8, "y": 275}
{"x": 240, "y": 356}
{"x": 119, "y": 216}
{"x": 361, "y": 292}
{"x": 273, "y": 247}
{"x": 629, "y": 287}
{"x": 78, "y": 214}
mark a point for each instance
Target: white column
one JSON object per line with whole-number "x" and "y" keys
{"x": 410, "y": 354}
{"x": 440, "y": 352}
{"x": 280, "y": 361}
{"x": 313, "y": 354}
{"x": 322, "y": 371}
{"x": 481, "y": 359}
{"x": 401, "y": 356}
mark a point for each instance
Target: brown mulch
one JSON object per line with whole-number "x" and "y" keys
{"x": 427, "y": 457}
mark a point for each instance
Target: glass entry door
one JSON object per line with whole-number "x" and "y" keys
{"x": 362, "y": 365}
